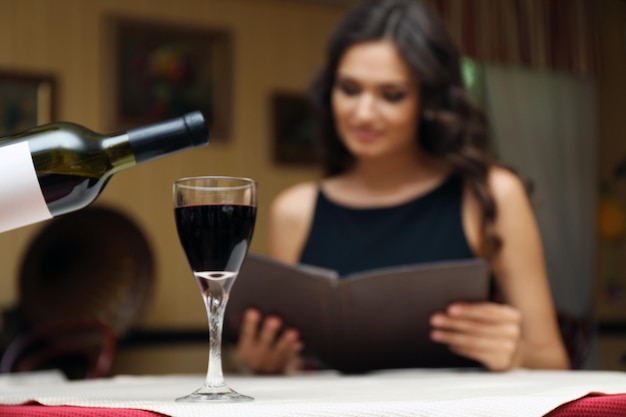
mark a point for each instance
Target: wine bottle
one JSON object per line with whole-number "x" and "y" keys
{"x": 61, "y": 167}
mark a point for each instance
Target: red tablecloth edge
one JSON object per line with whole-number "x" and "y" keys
{"x": 35, "y": 409}
{"x": 594, "y": 404}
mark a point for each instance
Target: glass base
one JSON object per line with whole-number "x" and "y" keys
{"x": 222, "y": 394}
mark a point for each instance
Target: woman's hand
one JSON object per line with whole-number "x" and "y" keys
{"x": 263, "y": 350}
{"x": 489, "y": 333}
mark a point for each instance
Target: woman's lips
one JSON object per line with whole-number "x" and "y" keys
{"x": 366, "y": 135}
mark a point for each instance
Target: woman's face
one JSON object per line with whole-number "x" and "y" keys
{"x": 375, "y": 101}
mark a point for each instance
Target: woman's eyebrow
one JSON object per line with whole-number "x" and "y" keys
{"x": 383, "y": 83}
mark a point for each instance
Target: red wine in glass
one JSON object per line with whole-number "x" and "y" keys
{"x": 215, "y": 237}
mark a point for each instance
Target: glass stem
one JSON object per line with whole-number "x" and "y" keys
{"x": 215, "y": 301}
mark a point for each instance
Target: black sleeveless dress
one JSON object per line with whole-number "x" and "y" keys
{"x": 428, "y": 228}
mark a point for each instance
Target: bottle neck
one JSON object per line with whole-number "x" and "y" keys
{"x": 120, "y": 153}
{"x": 165, "y": 138}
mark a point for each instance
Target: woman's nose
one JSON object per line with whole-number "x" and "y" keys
{"x": 365, "y": 107}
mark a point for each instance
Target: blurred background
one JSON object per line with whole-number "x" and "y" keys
{"x": 551, "y": 74}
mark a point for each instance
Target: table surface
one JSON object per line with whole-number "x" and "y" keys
{"x": 417, "y": 392}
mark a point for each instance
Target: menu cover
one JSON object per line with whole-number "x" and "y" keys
{"x": 371, "y": 320}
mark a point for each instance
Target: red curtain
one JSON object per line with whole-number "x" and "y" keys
{"x": 548, "y": 34}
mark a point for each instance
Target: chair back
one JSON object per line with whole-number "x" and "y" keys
{"x": 81, "y": 349}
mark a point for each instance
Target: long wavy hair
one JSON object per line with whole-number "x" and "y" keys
{"x": 451, "y": 126}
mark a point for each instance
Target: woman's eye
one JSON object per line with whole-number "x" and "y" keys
{"x": 349, "y": 89}
{"x": 394, "y": 96}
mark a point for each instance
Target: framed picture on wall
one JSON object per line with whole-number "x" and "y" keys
{"x": 294, "y": 129}
{"x": 164, "y": 70}
{"x": 26, "y": 100}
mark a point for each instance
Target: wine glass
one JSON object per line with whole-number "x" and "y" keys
{"x": 215, "y": 219}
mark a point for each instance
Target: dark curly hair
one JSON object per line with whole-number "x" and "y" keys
{"x": 451, "y": 126}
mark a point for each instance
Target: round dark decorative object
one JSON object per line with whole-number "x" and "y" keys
{"x": 94, "y": 264}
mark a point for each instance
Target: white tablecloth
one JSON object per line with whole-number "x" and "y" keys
{"x": 390, "y": 393}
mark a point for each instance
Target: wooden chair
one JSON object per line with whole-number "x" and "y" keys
{"x": 80, "y": 349}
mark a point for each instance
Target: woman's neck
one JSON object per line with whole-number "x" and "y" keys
{"x": 374, "y": 182}
{"x": 390, "y": 173}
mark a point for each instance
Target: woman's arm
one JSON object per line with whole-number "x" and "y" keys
{"x": 519, "y": 268}
{"x": 523, "y": 331}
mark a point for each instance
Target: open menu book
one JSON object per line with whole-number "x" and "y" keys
{"x": 371, "y": 320}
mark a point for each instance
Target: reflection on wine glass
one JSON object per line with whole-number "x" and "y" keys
{"x": 215, "y": 219}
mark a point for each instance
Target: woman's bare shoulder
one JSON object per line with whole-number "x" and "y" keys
{"x": 506, "y": 186}
{"x": 296, "y": 200}
{"x": 290, "y": 220}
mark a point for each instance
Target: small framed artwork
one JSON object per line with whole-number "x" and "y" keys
{"x": 294, "y": 129}
{"x": 163, "y": 71}
{"x": 26, "y": 101}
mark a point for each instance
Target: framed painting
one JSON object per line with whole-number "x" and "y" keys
{"x": 294, "y": 129}
{"x": 26, "y": 100}
{"x": 163, "y": 71}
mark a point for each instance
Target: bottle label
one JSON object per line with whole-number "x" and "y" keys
{"x": 21, "y": 199}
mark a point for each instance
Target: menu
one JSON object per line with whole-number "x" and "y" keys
{"x": 372, "y": 320}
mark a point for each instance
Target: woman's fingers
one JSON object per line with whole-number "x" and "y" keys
{"x": 492, "y": 330}
{"x": 288, "y": 343}
{"x": 249, "y": 324}
{"x": 475, "y": 343}
{"x": 486, "y": 332}
{"x": 486, "y": 319}
{"x": 487, "y": 312}
{"x": 284, "y": 350}
{"x": 268, "y": 332}
{"x": 261, "y": 346}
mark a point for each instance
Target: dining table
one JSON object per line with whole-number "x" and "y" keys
{"x": 407, "y": 392}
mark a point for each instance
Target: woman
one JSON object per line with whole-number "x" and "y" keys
{"x": 410, "y": 178}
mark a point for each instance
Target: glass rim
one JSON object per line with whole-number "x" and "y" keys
{"x": 247, "y": 182}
